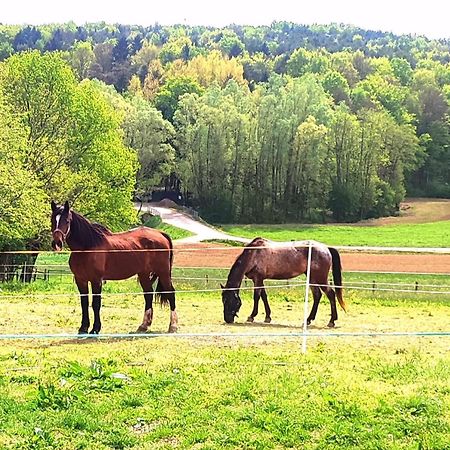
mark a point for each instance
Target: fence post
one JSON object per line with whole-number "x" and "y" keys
{"x": 305, "y": 311}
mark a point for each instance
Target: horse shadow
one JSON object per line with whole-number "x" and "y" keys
{"x": 277, "y": 326}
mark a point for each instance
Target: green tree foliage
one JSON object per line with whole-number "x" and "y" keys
{"x": 301, "y": 120}
{"x": 81, "y": 58}
{"x": 74, "y": 146}
{"x": 150, "y": 136}
{"x": 166, "y": 100}
{"x": 21, "y": 194}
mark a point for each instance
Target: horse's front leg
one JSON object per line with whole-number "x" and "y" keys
{"x": 96, "y": 305}
{"x": 256, "y": 296}
{"x": 83, "y": 288}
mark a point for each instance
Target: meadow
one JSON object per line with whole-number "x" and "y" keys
{"x": 434, "y": 234}
{"x": 249, "y": 388}
{"x": 240, "y": 386}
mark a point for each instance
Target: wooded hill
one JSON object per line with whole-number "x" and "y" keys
{"x": 256, "y": 124}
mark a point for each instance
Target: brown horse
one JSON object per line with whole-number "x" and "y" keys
{"x": 262, "y": 259}
{"x": 98, "y": 254}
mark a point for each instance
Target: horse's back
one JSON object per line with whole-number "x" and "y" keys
{"x": 284, "y": 260}
{"x": 139, "y": 238}
{"x": 123, "y": 255}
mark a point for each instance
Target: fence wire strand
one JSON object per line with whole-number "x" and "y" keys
{"x": 355, "y": 285}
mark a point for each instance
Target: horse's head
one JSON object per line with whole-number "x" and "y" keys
{"x": 231, "y": 303}
{"x": 61, "y": 218}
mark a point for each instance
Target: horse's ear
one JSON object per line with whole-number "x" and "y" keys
{"x": 66, "y": 206}
{"x": 53, "y": 206}
{"x": 222, "y": 286}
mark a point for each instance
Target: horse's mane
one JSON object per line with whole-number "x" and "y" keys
{"x": 239, "y": 266}
{"x": 87, "y": 233}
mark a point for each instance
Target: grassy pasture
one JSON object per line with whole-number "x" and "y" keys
{"x": 226, "y": 392}
{"x": 435, "y": 234}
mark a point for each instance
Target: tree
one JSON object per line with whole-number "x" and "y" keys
{"x": 166, "y": 100}
{"x": 150, "y": 136}
{"x": 74, "y": 145}
{"x": 209, "y": 69}
{"x": 81, "y": 58}
{"x": 177, "y": 48}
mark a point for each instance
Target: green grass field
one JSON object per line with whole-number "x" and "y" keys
{"x": 247, "y": 385}
{"x": 226, "y": 392}
{"x": 436, "y": 234}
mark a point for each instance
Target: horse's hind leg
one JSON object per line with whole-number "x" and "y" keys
{"x": 332, "y": 297}
{"x": 268, "y": 318}
{"x": 168, "y": 294}
{"x": 147, "y": 286}
{"x": 83, "y": 288}
{"x": 317, "y": 295}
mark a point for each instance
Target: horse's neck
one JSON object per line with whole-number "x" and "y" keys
{"x": 237, "y": 272}
{"x": 75, "y": 243}
{"x": 234, "y": 280}
{"x": 81, "y": 236}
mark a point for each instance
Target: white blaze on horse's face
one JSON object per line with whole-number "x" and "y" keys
{"x": 60, "y": 226}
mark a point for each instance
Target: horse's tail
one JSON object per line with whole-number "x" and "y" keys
{"x": 169, "y": 240}
{"x": 161, "y": 293}
{"x": 337, "y": 276}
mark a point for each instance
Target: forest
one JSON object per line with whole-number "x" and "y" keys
{"x": 280, "y": 123}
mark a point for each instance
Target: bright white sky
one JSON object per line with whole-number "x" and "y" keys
{"x": 424, "y": 17}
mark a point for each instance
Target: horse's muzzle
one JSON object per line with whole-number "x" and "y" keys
{"x": 57, "y": 246}
{"x": 229, "y": 318}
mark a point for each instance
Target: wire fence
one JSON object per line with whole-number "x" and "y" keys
{"x": 202, "y": 284}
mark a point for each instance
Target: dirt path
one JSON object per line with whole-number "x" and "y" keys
{"x": 216, "y": 255}
{"x": 191, "y": 252}
{"x": 202, "y": 232}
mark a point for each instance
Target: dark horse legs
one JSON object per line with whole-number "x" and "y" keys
{"x": 96, "y": 305}
{"x": 84, "y": 297}
{"x": 167, "y": 293}
{"x": 258, "y": 292}
{"x": 83, "y": 288}
{"x": 317, "y": 296}
{"x": 147, "y": 286}
{"x": 167, "y": 286}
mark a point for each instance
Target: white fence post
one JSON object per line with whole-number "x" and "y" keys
{"x": 305, "y": 311}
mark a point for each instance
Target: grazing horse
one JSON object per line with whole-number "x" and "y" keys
{"x": 262, "y": 259}
{"x": 98, "y": 254}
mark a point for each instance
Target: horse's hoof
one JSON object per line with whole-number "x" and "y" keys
{"x": 330, "y": 325}
{"x": 308, "y": 322}
{"x": 141, "y": 329}
{"x": 83, "y": 331}
{"x": 250, "y": 319}
{"x": 94, "y": 331}
{"x": 173, "y": 329}
{"x": 267, "y": 320}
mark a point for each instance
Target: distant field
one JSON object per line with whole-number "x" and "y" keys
{"x": 435, "y": 234}
{"x": 174, "y": 232}
{"x": 421, "y": 223}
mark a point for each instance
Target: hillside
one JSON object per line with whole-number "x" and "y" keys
{"x": 416, "y": 210}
